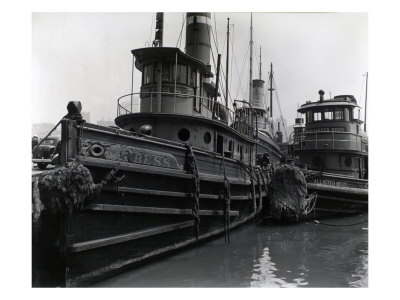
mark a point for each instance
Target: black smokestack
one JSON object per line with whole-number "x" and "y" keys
{"x": 321, "y": 95}
{"x": 198, "y": 36}
{"x": 158, "y": 41}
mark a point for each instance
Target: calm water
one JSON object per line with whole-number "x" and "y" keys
{"x": 265, "y": 255}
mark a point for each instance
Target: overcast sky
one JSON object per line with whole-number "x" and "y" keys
{"x": 86, "y": 56}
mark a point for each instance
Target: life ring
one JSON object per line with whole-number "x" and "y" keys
{"x": 96, "y": 150}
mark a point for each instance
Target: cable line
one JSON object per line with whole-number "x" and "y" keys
{"x": 279, "y": 105}
{"x": 180, "y": 34}
{"x": 151, "y": 28}
{"x": 240, "y": 77}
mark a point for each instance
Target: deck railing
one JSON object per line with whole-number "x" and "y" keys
{"x": 330, "y": 140}
{"x": 130, "y": 103}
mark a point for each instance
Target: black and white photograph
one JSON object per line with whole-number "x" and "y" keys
{"x": 184, "y": 127}
{"x": 203, "y": 149}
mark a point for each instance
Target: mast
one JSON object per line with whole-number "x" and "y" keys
{"x": 251, "y": 59}
{"x": 227, "y": 65}
{"x": 216, "y": 85}
{"x": 365, "y": 109}
{"x": 270, "y": 91}
{"x": 260, "y": 64}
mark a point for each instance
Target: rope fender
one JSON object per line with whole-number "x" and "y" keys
{"x": 69, "y": 188}
{"x": 227, "y": 203}
{"x": 265, "y": 183}
{"x": 191, "y": 166}
{"x": 253, "y": 189}
{"x": 250, "y": 171}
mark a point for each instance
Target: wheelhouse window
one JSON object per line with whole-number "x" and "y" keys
{"x": 148, "y": 74}
{"x": 339, "y": 114}
{"x": 358, "y": 115}
{"x": 192, "y": 77}
{"x": 328, "y": 115}
{"x": 166, "y": 72}
{"x": 181, "y": 74}
{"x": 317, "y": 116}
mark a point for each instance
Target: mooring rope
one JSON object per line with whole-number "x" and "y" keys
{"x": 253, "y": 190}
{"x": 73, "y": 116}
{"x": 80, "y": 142}
{"x": 191, "y": 166}
{"x": 43, "y": 139}
{"x": 247, "y": 169}
{"x": 266, "y": 180}
{"x": 311, "y": 205}
{"x": 250, "y": 171}
{"x": 310, "y": 176}
{"x": 327, "y": 224}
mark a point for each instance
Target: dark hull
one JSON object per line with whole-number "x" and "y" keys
{"x": 338, "y": 195}
{"x": 147, "y": 214}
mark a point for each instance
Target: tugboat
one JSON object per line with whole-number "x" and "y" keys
{"x": 177, "y": 172}
{"x": 332, "y": 149}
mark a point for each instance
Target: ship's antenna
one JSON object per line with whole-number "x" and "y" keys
{"x": 180, "y": 34}
{"x": 365, "y": 109}
{"x": 280, "y": 110}
{"x": 251, "y": 59}
{"x": 227, "y": 65}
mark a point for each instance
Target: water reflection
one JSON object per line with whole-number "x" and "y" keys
{"x": 360, "y": 277}
{"x": 264, "y": 274}
{"x": 268, "y": 255}
{"x": 314, "y": 256}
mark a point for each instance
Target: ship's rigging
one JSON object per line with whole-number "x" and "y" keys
{"x": 229, "y": 52}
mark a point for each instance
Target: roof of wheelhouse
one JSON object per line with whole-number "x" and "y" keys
{"x": 152, "y": 54}
{"x": 341, "y": 100}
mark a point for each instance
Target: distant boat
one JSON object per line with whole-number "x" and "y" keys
{"x": 332, "y": 149}
{"x": 180, "y": 170}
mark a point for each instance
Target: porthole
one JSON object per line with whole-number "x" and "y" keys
{"x": 207, "y": 138}
{"x": 184, "y": 134}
